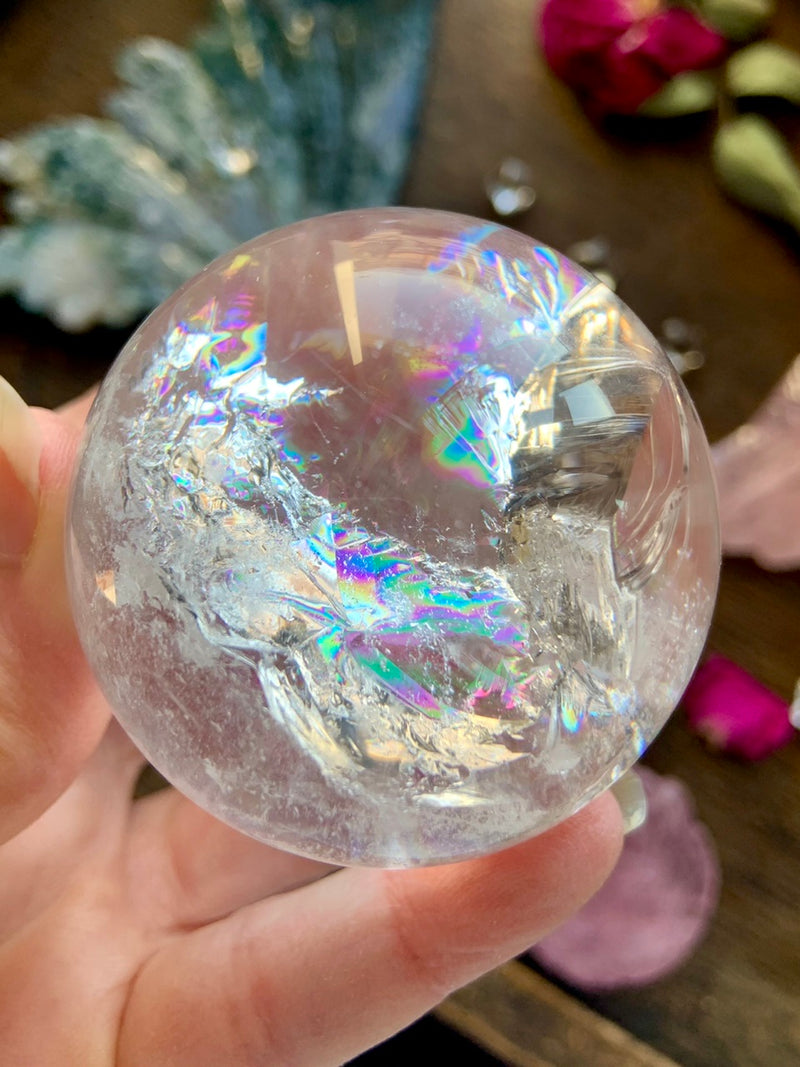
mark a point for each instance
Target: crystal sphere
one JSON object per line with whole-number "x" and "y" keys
{"x": 394, "y": 538}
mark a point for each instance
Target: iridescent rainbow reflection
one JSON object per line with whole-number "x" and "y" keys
{"x": 443, "y": 640}
{"x": 406, "y": 512}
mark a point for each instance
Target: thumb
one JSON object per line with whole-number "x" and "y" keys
{"x": 51, "y": 713}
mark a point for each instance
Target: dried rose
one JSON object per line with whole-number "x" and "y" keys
{"x": 734, "y": 712}
{"x": 619, "y": 53}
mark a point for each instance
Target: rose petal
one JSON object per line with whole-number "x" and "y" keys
{"x": 654, "y": 908}
{"x": 571, "y": 28}
{"x": 734, "y": 712}
{"x": 676, "y": 41}
{"x": 627, "y": 80}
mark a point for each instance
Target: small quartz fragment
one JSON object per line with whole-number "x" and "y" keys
{"x": 758, "y": 475}
{"x": 680, "y": 340}
{"x": 593, "y": 253}
{"x": 509, "y": 188}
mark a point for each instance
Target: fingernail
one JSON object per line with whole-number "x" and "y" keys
{"x": 20, "y": 451}
{"x": 630, "y": 795}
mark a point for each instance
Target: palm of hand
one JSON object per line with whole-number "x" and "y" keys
{"x": 146, "y": 932}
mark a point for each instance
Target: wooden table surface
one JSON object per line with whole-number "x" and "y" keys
{"x": 679, "y": 249}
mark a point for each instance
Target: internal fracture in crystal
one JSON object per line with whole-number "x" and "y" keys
{"x": 394, "y": 537}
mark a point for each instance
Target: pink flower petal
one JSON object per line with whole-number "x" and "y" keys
{"x": 734, "y": 712}
{"x": 627, "y": 80}
{"x": 655, "y": 907}
{"x": 676, "y": 41}
{"x": 570, "y": 28}
{"x": 618, "y": 53}
{"x": 758, "y": 478}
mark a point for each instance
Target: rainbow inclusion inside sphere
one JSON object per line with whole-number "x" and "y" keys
{"x": 394, "y": 537}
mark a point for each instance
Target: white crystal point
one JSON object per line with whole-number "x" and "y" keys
{"x": 394, "y": 537}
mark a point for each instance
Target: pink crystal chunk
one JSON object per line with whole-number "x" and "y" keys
{"x": 758, "y": 473}
{"x": 654, "y": 909}
{"x": 394, "y": 538}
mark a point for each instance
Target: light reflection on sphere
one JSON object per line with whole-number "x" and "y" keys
{"x": 394, "y": 537}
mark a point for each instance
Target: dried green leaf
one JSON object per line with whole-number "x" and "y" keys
{"x": 754, "y": 165}
{"x": 738, "y": 20}
{"x": 685, "y": 94}
{"x": 765, "y": 69}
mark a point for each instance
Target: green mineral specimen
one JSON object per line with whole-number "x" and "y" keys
{"x": 280, "y": 109}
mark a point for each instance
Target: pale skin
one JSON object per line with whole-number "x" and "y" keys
{"x": 146, "y": 932}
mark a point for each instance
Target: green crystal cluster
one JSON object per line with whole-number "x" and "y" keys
{"x": 278, "y": 111}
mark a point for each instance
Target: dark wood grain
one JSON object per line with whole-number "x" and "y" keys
{"x": 680, "y": 248}
{"x": 525, "y": 1021}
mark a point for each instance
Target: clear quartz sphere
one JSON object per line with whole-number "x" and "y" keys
{"x": 394, "y": 537}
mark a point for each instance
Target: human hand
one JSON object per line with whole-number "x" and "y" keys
{"x": 147, "y": 932}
